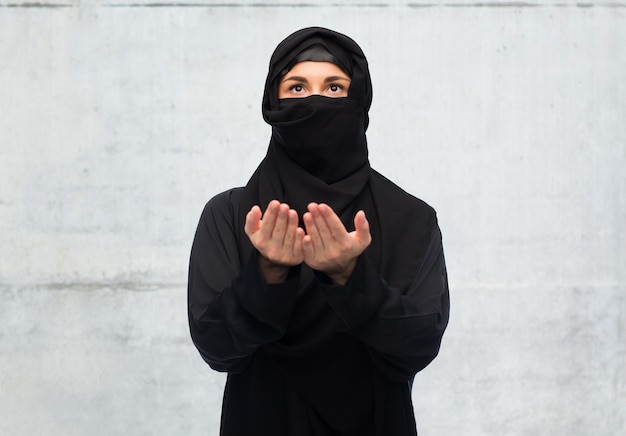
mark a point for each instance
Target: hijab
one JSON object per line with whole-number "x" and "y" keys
{"x": 318, "y": 153}
{"x": 318, "y": 148}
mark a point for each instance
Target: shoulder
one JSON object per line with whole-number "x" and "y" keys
{"x": 223, "y": 206}
{"x": 224, "y": 199}
{"x": 400, "y": 202}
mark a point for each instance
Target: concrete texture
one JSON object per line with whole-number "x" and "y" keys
{"x": 119, "y": 119}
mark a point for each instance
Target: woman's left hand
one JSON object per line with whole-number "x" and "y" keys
{"x": 328, "y": 247}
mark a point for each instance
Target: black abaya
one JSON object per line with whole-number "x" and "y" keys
{"x": 306, "y": 357}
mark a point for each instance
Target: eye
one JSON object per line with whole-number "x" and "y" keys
{"x": 334, "y": 87}
{"x": 297, "y": 88}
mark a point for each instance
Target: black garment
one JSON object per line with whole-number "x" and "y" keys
{"x": 306, "y": 357}
{"x": 234, "y": 315}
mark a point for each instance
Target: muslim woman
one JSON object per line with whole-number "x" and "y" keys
{"x": 320, "y": 287}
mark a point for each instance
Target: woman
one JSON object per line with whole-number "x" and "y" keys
{"x": 323, "y": 307}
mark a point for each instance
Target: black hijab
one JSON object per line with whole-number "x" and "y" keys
{"x": 318, "y": 149}
{"x": 318, "y": 153}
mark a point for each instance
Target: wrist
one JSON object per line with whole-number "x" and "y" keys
{"x": 340, "y": 278}
{"x": 272, "y": 272}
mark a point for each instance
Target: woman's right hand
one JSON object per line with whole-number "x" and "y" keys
{"x": 277, "y": 238}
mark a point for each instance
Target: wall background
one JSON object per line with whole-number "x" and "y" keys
{"x": 119, "y": 119}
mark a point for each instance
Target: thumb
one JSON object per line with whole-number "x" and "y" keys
{"x": 253, "y": 221}
{"x": 362, "y": 228}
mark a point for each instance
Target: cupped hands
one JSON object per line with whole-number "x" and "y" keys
{"x": 327, "y": 246}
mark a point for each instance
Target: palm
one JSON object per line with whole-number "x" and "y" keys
{"x": 328, "y": 246}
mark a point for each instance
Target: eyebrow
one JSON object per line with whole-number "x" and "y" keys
{"x": 326, "y": 80}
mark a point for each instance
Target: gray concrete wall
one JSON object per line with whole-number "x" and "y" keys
{"x": 119, "y": 119}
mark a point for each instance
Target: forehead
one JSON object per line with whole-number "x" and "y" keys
{"x": 315, "y": 69}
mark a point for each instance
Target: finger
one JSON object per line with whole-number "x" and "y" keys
{"x": 253, "y": 221}
{"x": 297, "y": 245}
{"x": 324, "y": 235}
{"x": 312, "y": 237}
{"x": 308, "y": 249}
{"x": 333, "y": 222}
{"x": 269, "y": 219}
{"x": 362, "y": 228}
{"x": 292, "y": 225}
{"x": 280, "y": 225}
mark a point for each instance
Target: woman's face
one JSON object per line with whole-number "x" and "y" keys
{"x": 314, "y": 78}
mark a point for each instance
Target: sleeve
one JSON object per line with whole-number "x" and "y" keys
{"x": 232, "y": 310}
{"x": 402, "y": 328}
